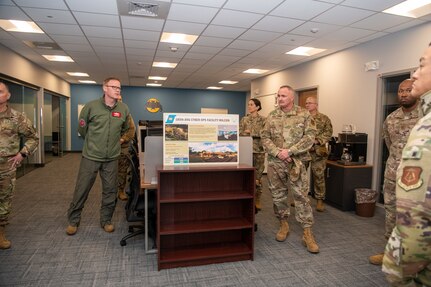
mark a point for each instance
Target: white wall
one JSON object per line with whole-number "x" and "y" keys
{"x": 348, "y": 94}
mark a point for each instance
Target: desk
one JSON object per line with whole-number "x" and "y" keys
{"x": 148, "y": 187}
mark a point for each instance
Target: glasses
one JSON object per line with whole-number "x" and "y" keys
{"x": 114, "y": 88}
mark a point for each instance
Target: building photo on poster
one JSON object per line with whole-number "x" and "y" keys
{"x": 199, "y": 139}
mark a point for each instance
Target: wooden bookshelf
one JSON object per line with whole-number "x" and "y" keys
{"x": 205, "y": 215}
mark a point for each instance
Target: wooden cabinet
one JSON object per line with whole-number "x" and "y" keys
{"x": 205, "y": 215}
{"x": 341, "y": 181}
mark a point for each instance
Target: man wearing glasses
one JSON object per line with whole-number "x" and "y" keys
{"x": 101, "y": 123}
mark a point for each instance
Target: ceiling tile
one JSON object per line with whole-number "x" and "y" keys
{"x": 348, "y": 34}
{"x": 234, "y": 52}
{"x": 212, "y": 41}
{"x": 11, "y": 12}
{"x": 371, "y": 37}
{"x": 209, "y": 3}
{"x": 130, "y": 34}
{"x": 406, "y": 25}
{"x": 190, "y": 13}
{"x": 110, "y": 42}
{"x": 108, "y": 32}
{"x": 65, "y": 39}
{"x": 61, "y": 29}
{"x": 50, "y": 15}
{"x": 94, "y": 6}
{"x": 255, "y": 6}
{"x": 183, "y": 27}
{"x": 323, "y": 29}
{"x": 141, "y": 23}
{"x": 372, "y": 4}
{"x": 92, "y": 19}
{"x": 277, "y": 24}
{"x": 291, "y": 39}
{"x": 306, "y": 11}
{"x": 76, "y": 48}
{"x": 380, "y": 22}
{"x": 257, "y": 35}
{"x": 236, "y": 18}
{"x": 48, "y": 4}
{"x": 140, "y": 44}
{"x": 341, "y": 15}
{"x": 205, "y": 49}
{"x": 223, "y": 31}
{"x": 246, "y": 45}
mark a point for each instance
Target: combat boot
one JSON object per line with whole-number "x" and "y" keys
{"x": 257, "y": 203}
{"x": 309, "y": 241}
{"x": 4, "y": 243}
{"x": 283, "y": 231}
{"x": 320, "y": 206}
{"x": 376, "y": 259}
{"x": 122, "y": 195}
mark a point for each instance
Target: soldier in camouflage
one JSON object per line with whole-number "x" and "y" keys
{"x": 319, "y": 152}
{"x": 287, "y": 136}
{"x": 407, "y": 260}
{"x": 396, "y": 130}
{"x": 123, "y": 161}
{"x": 251, "y": 125}
{"x": 13, "y": 127}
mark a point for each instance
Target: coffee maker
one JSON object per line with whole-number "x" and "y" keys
{"x": 355, "y": 145}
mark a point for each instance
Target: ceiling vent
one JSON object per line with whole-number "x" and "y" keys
{"x": 144, "y": 8}
{"x": 42, "y": 45}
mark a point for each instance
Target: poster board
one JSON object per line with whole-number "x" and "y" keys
{"x": 200, "y": 139}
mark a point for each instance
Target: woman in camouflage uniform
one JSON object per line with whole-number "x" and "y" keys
{"x": 250, "y": 125}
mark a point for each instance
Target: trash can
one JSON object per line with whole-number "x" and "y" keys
{"x": 365, "y": 200}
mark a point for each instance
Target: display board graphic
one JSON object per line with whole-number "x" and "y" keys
{"x": 200, "y": 139}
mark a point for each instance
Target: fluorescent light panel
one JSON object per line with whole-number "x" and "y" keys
{"x": 411, "y": 8}
{"x": 164, "y": 65}
{"x": 214, "y": 88}
{"x": 255, "y": 71}
{"x": 20, "y": 26}
{"x": 78, "y": 74}
{"x": 58, "y": 58}
{"x": 157, "y": 78}
{"x": 227, "y": 82}
{"x": 87, "y": 81}
{"x": 177, "y": 38}
{"x": 305, "y": 51}
{"x": 154, "y": 85}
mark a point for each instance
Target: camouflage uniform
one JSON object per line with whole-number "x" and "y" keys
{"x": 294, "y": 130}
{"x": 13, "y": 126}
{"x": 319, "y": 154}
{"x": 255, "y": 125}
{"x": 396, "y": 130}
{"x": 123, "y": 161}
{"x": 407, "y": 260}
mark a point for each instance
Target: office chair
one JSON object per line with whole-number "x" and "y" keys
{"x": 135, "y": 207}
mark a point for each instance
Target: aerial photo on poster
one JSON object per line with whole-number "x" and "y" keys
{"x": 213, "y": 152}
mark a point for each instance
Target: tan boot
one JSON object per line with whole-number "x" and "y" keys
{"x": 309, "y": 241}
{"x": 320, "y": 206}
{"x": 71, "y": 229}
{"x": 376, "y": 259}
{"x": 283, "y": 231}
{"x": 122, "y": 195}
{"x": 257, "y": 202}
{"x": 4, "y": 243}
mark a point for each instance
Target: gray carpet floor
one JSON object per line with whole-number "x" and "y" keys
{"x": 43, "y": 255}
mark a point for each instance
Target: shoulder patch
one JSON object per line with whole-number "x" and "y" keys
{"x": 82, "y": 123}
{"x": 411, "y": 178}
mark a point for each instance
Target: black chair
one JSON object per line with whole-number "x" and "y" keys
{"x": 135, "y": 207}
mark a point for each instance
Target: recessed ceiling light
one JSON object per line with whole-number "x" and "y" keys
{"x": 58, "y": 58}
{"x": 214, "y": 88}
{"x": 411, "y": 8}
{"x": 255, "y": 71}
{"x": 87, "y": 81}
{"x": 154, "y": 85}
{"x": 164, "y": 65}
{"x": 77, "y": 74}
{"x": 20, "y": 26}
{"x": 157, "y": 78}
{"x": 305, "y": 51}
{"x": 227, "y": 82}
{"x": 177, "y": 38}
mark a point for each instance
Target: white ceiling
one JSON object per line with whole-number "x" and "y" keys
{"x": 234, "y": 35}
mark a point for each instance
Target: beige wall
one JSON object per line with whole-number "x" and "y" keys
{"x": 15, "y": 66}
{"x": 348, "y": 94}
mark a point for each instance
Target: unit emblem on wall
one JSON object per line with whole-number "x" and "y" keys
{"x": 153, "y": 105}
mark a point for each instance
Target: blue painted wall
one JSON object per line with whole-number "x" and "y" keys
{"x": 172, "y": 100}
